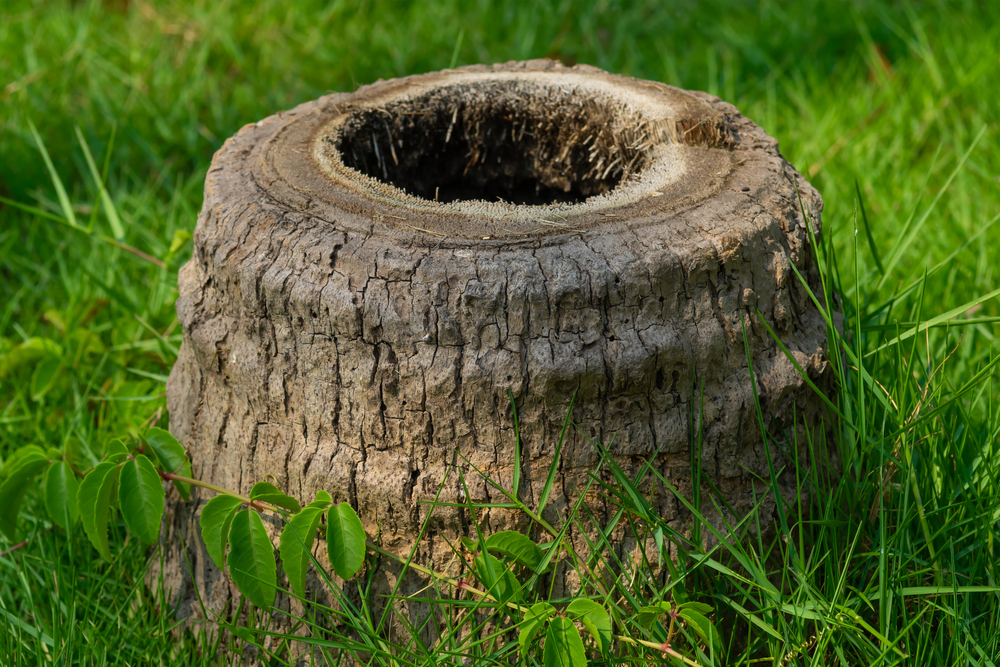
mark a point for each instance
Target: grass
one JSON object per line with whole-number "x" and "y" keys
{"x": 887, "y": 103}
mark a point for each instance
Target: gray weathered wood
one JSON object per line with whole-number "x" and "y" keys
{"x": 342, "y": 334}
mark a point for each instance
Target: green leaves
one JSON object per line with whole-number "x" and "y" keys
{"x": 140, "y": 497}
{"x": 345, "y": 540}
{"x": 44, "y": 376}
{"x": 266, "y": 492}
{"x": 129, "y": 479}
{"x": 251, "y": 554}
{"x": 216, "y": 519}
{"x": 692, "y": 613}
{"x": 115, "y": 451}
{"x": 534, "y": 619}
{"x": 563, "y": 646}
{"x": 17, "y": 475}
{"x": 60, "y": 489}
{"x": 140, "y": 492}
{"x": 251, "y": 559}
{"x": 595, "y": 618}
{"x": 517, "y": 547}
{"x": 94, "y": 500}
{"x": 172, "y": 457}
{"x": 297, "y": 539}
{"x": 499, "y": 581}
{"x": 648, "y": 615}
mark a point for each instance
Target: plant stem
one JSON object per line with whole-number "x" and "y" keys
{"x": 218, "y": 489}
{"x": 420, "y": 568}
{"x": 568, "y": 547}
{"x": 13, "y": 548}
{"x": 443, "y": 577}
{"x": 658, "y": 647}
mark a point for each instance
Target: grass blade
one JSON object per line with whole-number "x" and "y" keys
{"x": 109, "y": 206}
{"x": 64, "y": 203}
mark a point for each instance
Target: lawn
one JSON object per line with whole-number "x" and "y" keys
{"x": 888, "y": 108}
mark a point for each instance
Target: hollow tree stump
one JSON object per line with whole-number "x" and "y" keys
{"x": 376, "y": 273}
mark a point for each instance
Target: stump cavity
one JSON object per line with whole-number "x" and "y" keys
{"x": 499, "y": 141}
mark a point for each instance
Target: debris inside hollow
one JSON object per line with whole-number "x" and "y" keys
{"x": 500, "y": 141}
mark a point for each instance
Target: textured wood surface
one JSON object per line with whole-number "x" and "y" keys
{"x": 340, "y": 334}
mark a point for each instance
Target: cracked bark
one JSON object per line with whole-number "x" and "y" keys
{"x": 342, "y": 335}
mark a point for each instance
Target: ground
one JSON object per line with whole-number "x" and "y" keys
{"x": 888, "y": 108}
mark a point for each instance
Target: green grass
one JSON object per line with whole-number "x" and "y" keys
{"x": 899, "y": 97}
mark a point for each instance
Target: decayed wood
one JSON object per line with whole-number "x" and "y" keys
{"x": 342, "y": 334}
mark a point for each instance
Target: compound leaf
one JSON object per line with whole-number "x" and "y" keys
{"x": 140, "y": 497}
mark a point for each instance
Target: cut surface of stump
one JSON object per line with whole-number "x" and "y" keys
{"x": 376, "y": 276}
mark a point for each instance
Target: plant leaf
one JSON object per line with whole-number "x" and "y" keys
{"x": 14, "y": 460}
{"x": 345, "y": 540}
{"x": 563, "y": 646}
{"x": 30, "y": 351}
{"x": 216, "y": 518}
{"x": 499, "y": 581}
{"x": 534, "y": 619}
{"x": 115, "y": 451}
{"x": 702, "y": 627}
{"x": 595, "y": 618}
{"x": 516, "y": 546}
{"x": 172, "y": 457}
{"x": 44, "y": 376}
{"x": 251, "y": 559}
{"x": 20, "y": 471}
{"x": 649, "y": 614}
{"x": 94, "y": 499}
{"x": 699, "y": 607}
{"x": 140, "y": 497}
{"x": 269, "y": 493}
{"x": 61, "y": 488}
{"x": 297, "y": 539}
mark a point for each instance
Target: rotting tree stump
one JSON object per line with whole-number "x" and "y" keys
{"x": 376, "y": 273}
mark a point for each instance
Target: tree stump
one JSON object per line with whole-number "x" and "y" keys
{"x": 376, "y": 274}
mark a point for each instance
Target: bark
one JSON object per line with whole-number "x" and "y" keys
{"x": 347, "y": 334}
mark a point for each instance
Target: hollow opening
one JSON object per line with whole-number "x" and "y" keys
{"x": 499, "y": 141}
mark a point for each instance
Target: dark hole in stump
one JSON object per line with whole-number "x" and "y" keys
{"x": 498, "y": 141}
